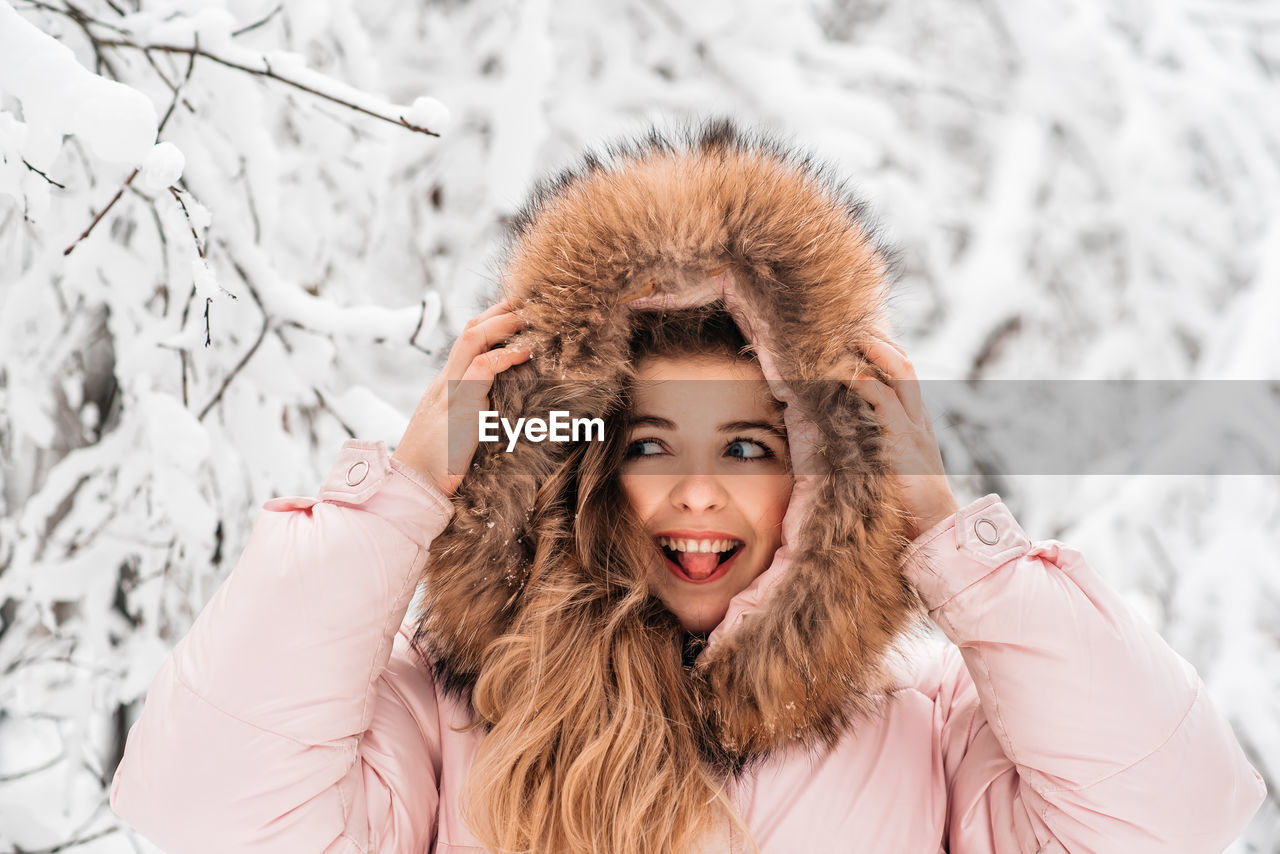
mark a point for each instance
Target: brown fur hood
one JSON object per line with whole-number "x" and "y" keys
{"x": 675, "y": 220}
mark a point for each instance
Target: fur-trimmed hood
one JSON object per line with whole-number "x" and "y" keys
{"x": 679, "y": 220}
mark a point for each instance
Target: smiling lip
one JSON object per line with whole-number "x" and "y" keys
{"x": 678, "y": 571}
{"x": 698, "y": 535}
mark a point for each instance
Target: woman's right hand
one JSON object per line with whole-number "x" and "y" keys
{"x": 443, "y": 433}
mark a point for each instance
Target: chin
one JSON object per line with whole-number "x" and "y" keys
{"x": 699, "y": 621}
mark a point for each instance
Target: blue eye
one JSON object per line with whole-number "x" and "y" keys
{"x": 765, "y": 452}
{"x": 632, "y": 451}
{"x": 636, "y": 450}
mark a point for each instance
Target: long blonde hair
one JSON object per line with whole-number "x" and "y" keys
{"x": 584, "y": 753}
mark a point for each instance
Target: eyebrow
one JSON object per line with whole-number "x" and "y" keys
{"x": 727, "y": 427}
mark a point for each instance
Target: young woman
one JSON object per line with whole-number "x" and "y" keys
{"x": 697, "y": 630}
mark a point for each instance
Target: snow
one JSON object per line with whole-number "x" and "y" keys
{"x": 212, "y": 25}
{"x": 1081, "y": 192}
{"x": 162, "y": 168}
{"x": 197, "y": 214}
{"x": 59, "y": 96}
{"x": 205, "y": 280}
{"x": 427, "y": 112}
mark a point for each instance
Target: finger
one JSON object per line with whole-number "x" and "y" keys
{"x": 475, "y": 340}
{"x": 894, "y": 344}
{"x": 885, "y": 402}
{"x": 478, "y": 379}
{"x": 903, "y": 378}
{"x": 495, "y": 309}
{"x": 876, "y": 354}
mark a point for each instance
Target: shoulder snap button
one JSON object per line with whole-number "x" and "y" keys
{"x": 356, "y": 474}
{"x": 986, "y": 531}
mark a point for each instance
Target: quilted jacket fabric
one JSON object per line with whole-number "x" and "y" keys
{"x": 295, "y": 718}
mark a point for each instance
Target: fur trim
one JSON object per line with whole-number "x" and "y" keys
{"x": 674, "y": 221}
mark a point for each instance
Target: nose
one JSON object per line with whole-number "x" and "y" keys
{"x": 699, "y": 492}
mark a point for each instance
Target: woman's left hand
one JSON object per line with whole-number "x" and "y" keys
{"x": 917, "y": 462}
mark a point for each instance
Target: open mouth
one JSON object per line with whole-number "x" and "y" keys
{"x": 698, "y": 562}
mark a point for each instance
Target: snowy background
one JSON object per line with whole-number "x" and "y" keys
{"x": 1080, "y": 190}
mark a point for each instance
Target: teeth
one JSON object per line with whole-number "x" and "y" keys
{"x": 702, "y": 546}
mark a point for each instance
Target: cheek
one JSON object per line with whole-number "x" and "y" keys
{"x": 781, "y": 502}
{"x": 638, "y": 494}
{"x": 771, "y": 501}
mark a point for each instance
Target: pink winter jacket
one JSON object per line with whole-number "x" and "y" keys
{"x": 294, "y": 717}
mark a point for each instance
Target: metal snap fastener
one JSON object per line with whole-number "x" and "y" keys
{"x": 979, "y": 530}
{"x": 356, "y": 474}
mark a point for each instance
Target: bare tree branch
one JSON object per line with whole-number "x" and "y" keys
{"x": 102, "y": 213}
{"x": 269, "y": 73}
{"x": 243, "y": 175}
{"x": 208, "y": 338}
{"x": 42, "y": 175}
{"x": 244, "y": 360}
{"x": 176, "y": 87}
{"x": 164, "y": 242}
{"x": 82, "y": 21}
{"x": 8, "y": 778}
{"x": 279, "y": 8}
{"x": 413, "y": 338}
{"x": 65, "y": 846}
{"x": 336, "y": 417}
{"x": 77, "y": 15}
{"x": 177, "y": 194}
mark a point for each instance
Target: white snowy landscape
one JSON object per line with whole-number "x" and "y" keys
{"x": 234, "y": 234}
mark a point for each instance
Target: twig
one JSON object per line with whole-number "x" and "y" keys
{"x": 244, "y": 360}
{"x": 42, "y": 175}
{"x": 177, "y": 194}
{"x": 63, "y": 846}
{"x": 76, "y": 15}
{"x": 177, "y": 90}
{"x": 422, "y": 315}
{"x": 90, "y": 178}
{"x": 208, "y": 338}
{"x": 336, "y": 417}
{"x": 208, "y": 335}
{"x": 322, "y": 403}
{"x": 164, "y": 242}
{"x": 279, "y": 8}
{"x": 151, "y": 60}
{"x": 269, "y": 73}
{"x": 356, "y": 133}
{"x": 4, "y": 224}
{"x": 9, "y": 778}
{"x": 248, "y": 193}
{"x": 102, "y": 213}
{"x": 82, "y": 21}
{"x": 186, "y": 306}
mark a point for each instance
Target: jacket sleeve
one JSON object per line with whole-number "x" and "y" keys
{"x": 268, "y": 727}
{"x": 1071, "y": 726}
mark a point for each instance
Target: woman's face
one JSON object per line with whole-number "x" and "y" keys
{"x": 706, "y": 469}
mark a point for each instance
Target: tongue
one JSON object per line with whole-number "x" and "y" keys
{"x": 699, "y": 565}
